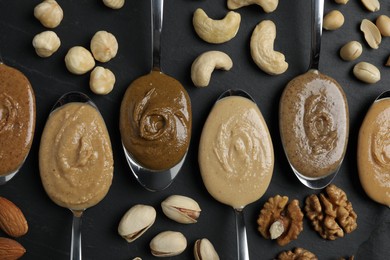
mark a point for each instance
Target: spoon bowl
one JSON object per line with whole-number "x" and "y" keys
{"x": 236, "y": 156}
{"x": 85, "y": 185}
{"x": 155, "y": 120}
{"x": 314, "y": 119}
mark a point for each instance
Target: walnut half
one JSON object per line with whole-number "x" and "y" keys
{"x": 297, "y": 254}
{"x": 331, "y": 213}
{"x": 279, "y": 220}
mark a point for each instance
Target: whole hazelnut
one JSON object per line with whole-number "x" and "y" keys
{"x": 79, "y": 60}
{"x": 101, "y": 81}
{"x": 46, "y": 43}
{"x": 49, "y": 13}
{"x": 104, "y": 46}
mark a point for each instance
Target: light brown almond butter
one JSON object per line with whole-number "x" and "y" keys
{"x": 12, "y": 220}
{"x": 10, "y": 249}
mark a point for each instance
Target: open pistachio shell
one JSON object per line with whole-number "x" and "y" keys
{"x": 136, "y": 221}
{"x": 168, "y": 243}
{"x": 181, "y": 209}
{"x": 204, "y": 250}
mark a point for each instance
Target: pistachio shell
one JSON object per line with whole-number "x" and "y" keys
{"x": 204, "y": 250}
{"x": 136, "y": 221}
{"x": 168, "y": 243}
{"x": 181, "y": 209}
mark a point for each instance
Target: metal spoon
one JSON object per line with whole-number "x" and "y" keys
{"x": 76, "y": 248}
{"x": 332, "y": 116}
{"x": 154, "y": 179}
{"x": 242, "y": 243}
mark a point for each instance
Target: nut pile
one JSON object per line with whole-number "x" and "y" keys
{"x": 139, "y": 218}
{"x": 330, "y": 213}
{"x": 14, "y": 224}
{"x": 78, "y": 59}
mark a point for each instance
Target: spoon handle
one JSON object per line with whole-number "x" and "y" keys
{"x": 317, "y": 13}
{"x": 242, "y": 243}
{"x": 157, "y": 22}
{"x": 75, "y": 250}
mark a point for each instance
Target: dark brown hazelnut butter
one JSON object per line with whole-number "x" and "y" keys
{"x": 314, "y": 124}
{"x": 155, "y": 121}
{"x": 17, "y": 119}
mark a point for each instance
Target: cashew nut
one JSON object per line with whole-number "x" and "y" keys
{"x": 216, "y": 31}
{"x": 263, "y": 54}
{"x": 205, "y": 64}
{"x": 267, "y": 5}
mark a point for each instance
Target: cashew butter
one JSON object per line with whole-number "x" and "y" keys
{"x": 236, "y": 155}
{"x": 17, "y": 119}
{"x": 314, "y": 124}
{"x": 75, "y": 156}
{"x": 373, "y": 154}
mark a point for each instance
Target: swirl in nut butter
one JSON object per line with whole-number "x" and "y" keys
{"x": 17, "y": 119}
{"x": 155, "y": 121}
{"x": 313, "y": 124}
{"x": 374, "y": 152}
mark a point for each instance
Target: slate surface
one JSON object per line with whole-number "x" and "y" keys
{"x": 50, "y": 225}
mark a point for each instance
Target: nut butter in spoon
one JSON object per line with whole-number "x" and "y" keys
{"x": 373, "y": 151}
{"x": 17, "y": 121}
{"x": 76, "y": 159}
{"x": 236, "y": 156}
{"x": 314, "y": 119}
{"x": 155, "y": 120}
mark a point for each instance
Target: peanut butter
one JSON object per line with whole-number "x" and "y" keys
{"x": 373, "y": 155}
{"x": 75, "y": 156}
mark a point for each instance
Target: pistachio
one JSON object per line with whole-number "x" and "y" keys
{"x": 204, "y": 250}
{"x": 168, "y": 243}
{"x": 181, "y": 209}
{"x": 136, "y": 221}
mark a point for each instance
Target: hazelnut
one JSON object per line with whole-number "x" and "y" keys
{"x": 79, "y": 60}
{"x": 114, "y": 4}
{"x": 46, "y": 43}
{"x": 104, "y": 46}
{"x": 101, "y": 81}
{"x": 49, "y": 13}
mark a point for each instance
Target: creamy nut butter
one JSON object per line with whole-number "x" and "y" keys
{"x": 75, "y": 156}
{"x": 17, "y": 119}
{"x": 155, "y": 121}
{"x": 314, "y": 124}
{"x": 236, "y": 155}
{"x": 373, "y": 153}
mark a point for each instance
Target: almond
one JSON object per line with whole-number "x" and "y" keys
{"x": 12, "y": 220}
{"x": 10, "y": 249}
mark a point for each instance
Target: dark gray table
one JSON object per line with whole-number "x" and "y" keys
{"x": 50, "y": 225}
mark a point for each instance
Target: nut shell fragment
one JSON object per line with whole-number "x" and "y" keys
{"x": 371, "y": 33}
{"x": 181, "y": 209}
{"x": 136, "y": 221}
{"x": 168, "y": 243}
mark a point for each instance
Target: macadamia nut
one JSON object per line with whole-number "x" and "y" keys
{"x": 49, "y": 13}
{"x": 46, "y": 43}
{"x": 333, "y": 20}
{"x": 79, "y": 60}
{"x": 114, "y": 4}
{"x": 104, "y": 46}
{"x": 101, "y": 81}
